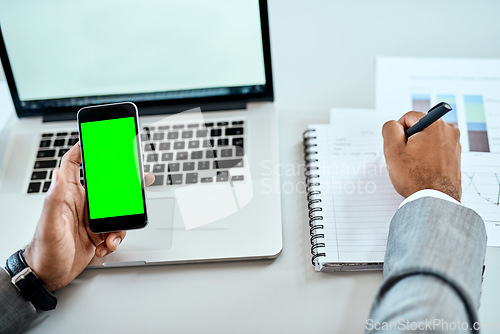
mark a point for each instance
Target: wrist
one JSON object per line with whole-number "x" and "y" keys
{"x": 28, "y": 284}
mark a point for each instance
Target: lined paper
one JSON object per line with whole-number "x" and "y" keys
{"x": 358, "y": 199}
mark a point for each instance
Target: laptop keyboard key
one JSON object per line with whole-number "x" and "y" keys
{"x": 147, "y": 168}
{"x": 174, "y": 179}
{"x": 187, "y": 134}
{"x": 216, "y": 132}
{"x": 179, "y": 145}
{"x": 158, "y": 168}
{"x": 234, "y": 131}
{"x": 208, "y": 143}
{"x": 167, "y": 156}
{"x": 201, "y": 133}
{"x": 188, "y": 166}
{"x": 45, "y": 143}
{"x": 46, "y": 135}
{"x": 190, "y": 126}
{"x": 164, "y": 146}
{"x": 238, "y": 123}
{"x": 34, "y": 187}
{"x": 196, "y": 154}
{"x": 158, "y": 136}
{"x": 164, "y": 127}
{"x": 61, "y": 134}
{"x": 46, "y": 186}
{"x": 39, "y": 175}
{"x": 239, "y": 151}
{"x": 222, "y": 123}
{"x": 152, "y": 157}
{"x": 226, "y": 153}
{"x": 178, "y": 126}
{"x": 74, "y": 133}
{"x": 149, "y": 147}
{"x": 182, "y": 156}
{"x": 238, "y": 178}
{"x": 174, "y": 167}
{"x": 46, "y": 154}
{"x": 211, "y": 154}
{"x": 191, "y": 178}
{"x": 209, "y": 125}
{"x": 72, "y": 141}
{"x": 173, "y": 135}
{"x": 45, "y": 164}
{"x": 159, "y": 180}
{"x": 207, "y": 179}
{"x": 145, "y": 136}
{"x": 222, "y": 176}
{"x": 223, "y": 142}
{"x": 203, "y": 165}
{"x": 59, "y": 142}
{"x": 62, "y": 152}
{"x": 193, "y": 144}
{"x": 225, "y": 164}
{"x": 238, "y": 142}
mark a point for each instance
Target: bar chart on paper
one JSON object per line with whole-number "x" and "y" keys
{"x": 472, "y": 88}
{"x": 480, "y": 184}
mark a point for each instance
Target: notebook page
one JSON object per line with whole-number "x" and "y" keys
{"x": 358, "y": 191}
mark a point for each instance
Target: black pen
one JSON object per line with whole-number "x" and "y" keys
{"x": 435, "y": 113}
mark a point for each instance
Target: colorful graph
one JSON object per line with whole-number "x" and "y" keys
{"x": 476, "y": 123}
{"x": 421, "y": 102}
{"x": 450, "y": 117}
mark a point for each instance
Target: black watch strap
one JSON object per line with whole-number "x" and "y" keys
{"x": 30, "y": 286}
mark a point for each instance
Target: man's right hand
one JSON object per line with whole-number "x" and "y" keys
{"x": 429, "y": 159}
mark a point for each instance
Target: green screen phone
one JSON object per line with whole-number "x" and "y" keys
{"x": 112, "y": 167}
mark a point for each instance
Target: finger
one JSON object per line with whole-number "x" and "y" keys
{"x": 410, "y": 118}
{"x": 149, "y": 179}
{"x": 110, "y": 243}
{"x": 52, "y": 208}
{"x": 394, "y": 136}
{"x": 114, "y": 240}
{"x": 71, "y": 162}
{"x": 101, "y": 250}
{"x": 96, "y": 238}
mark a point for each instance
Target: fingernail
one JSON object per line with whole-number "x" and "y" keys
{"x": 117, "y": 242}
{"x": 104, "y": 252}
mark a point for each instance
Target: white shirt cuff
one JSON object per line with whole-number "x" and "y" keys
{"x": 429, "y": 193}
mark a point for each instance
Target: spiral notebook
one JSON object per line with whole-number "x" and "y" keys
{"x": 350, "y": 196}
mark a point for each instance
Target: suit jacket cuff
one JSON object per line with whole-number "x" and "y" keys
{"x": 437, "y": 235}
{"x": 16, "y": 313}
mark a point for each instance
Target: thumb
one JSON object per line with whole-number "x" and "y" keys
{"x": 52, "y": 207}
{"x": 410, "y": 118}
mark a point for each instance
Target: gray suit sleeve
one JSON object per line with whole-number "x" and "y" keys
{"x": 432, "y": 269}
{"x": 16, "y": 314}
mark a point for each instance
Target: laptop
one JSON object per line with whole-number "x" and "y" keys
{"x": 199, "y": 72}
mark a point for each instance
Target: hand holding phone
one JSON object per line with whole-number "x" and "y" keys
{"x": 110, "y": 144}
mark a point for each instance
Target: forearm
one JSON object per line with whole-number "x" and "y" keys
{"x": 434, "y": 246}
{"x": 16, "y": 314}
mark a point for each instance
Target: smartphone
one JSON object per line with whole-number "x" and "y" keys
{"x": 112, "y": 167}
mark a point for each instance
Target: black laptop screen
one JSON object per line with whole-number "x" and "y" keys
{"x": 61, "y": 54}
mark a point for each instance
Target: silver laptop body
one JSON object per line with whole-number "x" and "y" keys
{"x": 200, "y": 73}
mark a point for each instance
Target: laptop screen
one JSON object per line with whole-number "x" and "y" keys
{"x": 74, "y": 53}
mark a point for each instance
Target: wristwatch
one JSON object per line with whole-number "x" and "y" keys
{"x": 29, "y": 285}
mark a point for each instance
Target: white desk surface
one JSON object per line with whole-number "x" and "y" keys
{"x": 323, "y": 56}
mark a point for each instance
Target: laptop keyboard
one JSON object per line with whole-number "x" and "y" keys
{"x": 176, "y": 154}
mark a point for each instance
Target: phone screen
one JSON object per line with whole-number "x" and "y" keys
{"x": 111, "y": 165}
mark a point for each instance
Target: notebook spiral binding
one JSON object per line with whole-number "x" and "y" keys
{"x": 313, "y": 195}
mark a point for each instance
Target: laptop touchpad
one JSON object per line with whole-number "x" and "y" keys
{"x": 157, "y": 235}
